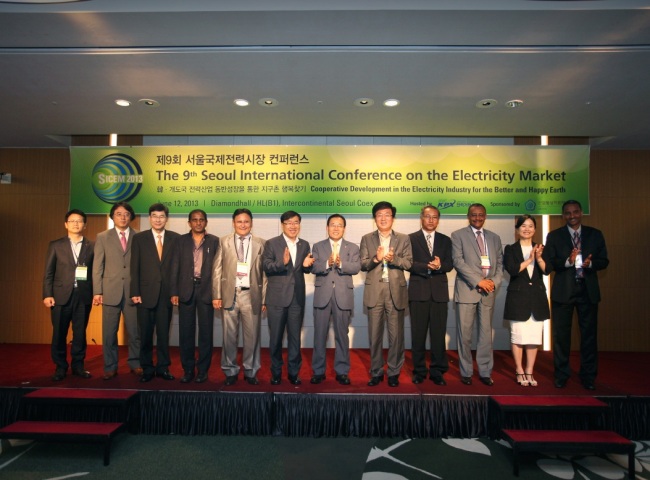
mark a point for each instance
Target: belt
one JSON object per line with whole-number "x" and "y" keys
{"x": 239, "y": 289}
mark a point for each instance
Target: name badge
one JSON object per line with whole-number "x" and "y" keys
{"x": 242, "y": 269}
{"x": 485, "y": 261}
{"x": 81, "y": 273}
{"x": 578, "y": 263}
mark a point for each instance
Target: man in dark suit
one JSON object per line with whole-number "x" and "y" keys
{"x": 428, "y": 297}
{"x": 68, "y": 293}
{"x": 385, "y": 255}
{"x": 239, "y": 288}
{"x": 335, "y": 262}
{"x": 151, "y": 259}
{"x": 286, "y": 259}
{"x": 478, "y": 260}
{"x": 577, "y": 253}
{"x": 111, "y": 283}
{"x": 191, "y": 289}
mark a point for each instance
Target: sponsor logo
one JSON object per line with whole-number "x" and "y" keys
{"x": 117, "y": 178}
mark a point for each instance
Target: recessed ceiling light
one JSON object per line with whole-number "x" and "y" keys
{"x": 148, "y": 102}
{"x": 364, "y": 102}
{"x": 241, "y": 102}
{"x": 514, "y": 103}
{"x": 391, "y": 102}
{"x": 486, "y": 103}
{"x": 122, "y": 103}
{"x": 268, "y": 102}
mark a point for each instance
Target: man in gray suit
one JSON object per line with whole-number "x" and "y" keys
{"x": 111, "y": 279}
{"x": 239, "y": 289}
{"x": 286, "y": 259}
{"x": 335, "y": 261}
{"x": 385, "y": 255}
{"x": 478, "y": 260}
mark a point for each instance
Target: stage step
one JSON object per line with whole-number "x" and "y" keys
{"x": 568, "y": 441}
{"x": 75, "y": 432}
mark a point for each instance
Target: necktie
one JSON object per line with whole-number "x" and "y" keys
{"x": 123, "y": 241}
{"x": 240, "y": 250}
{"x": 578, "y": 244}
{"x": 429, "y": 244}
{"x": 159, "y": 247}
{"x": 335, "y": 249}
{"x": 481, "y": 247}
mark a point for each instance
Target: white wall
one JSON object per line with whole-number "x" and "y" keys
{"x": 313, "y": 230}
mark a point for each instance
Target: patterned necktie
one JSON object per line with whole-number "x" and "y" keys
{"x": 481, "y": 247}
{"x": 577, "y": 243}
{"x": 159, "y": 247}
{"x": 123, "y": 241}
{"x": 429, "y": 244}
{"x": 240, "y": 250}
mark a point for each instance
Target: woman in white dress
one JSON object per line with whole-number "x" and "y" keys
{"x": 526, "y": 301}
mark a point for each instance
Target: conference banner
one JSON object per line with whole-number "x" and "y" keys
{"x": 508, "y": 180}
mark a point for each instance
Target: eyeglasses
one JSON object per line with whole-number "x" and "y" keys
{"x": 291, "y": 224}
{"x": 158, "y": 217}
{"x": 383, "y": 215}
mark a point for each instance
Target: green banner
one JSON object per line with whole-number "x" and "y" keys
{"x": 326, "y": 179}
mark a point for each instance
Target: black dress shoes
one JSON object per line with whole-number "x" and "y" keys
{"x": 343, "y": 379}
{"x": 294, "y": 380}
{"x": 146, "y": 377}
{"x": 201, "y": 377}
{"x": 165, "y": 375}
{"x": 588, "y": 385}
{"x": 487, "y": 381}
{"x": 466, "y": 380}
{"x": 187, "y": 378}
{"x": 59, "y": 374}
{"x": 393, "y": 381}
{"x": 418, "y": 379}
{"x": 252, "y": 380}
{"x": 230, "y": 380}
{"x": 316, "y": 379}
{"x": 560, "y": 383}
{"x": 439, "y": 381}
{"x": 275, "y": 380}
{"x": 80, "y": 372}
{"x": 374, "y": 381}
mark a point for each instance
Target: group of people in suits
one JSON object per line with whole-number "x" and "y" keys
{"x": 141, "y": 276}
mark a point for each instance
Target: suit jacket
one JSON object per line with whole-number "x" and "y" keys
{"x": 151, "y": 276}
{"x": 112, "y": 267}
{"x": 467, "y": 262}
{"x": 526, "y": 293}
{"x": 425, "y": 284}
{"x": 401, "y": 245}
{"x": 60, "y": 266}
{"x": 182, "y": 268}
{"x": 225, "y": 272}
{"x": 558, "y": 249}
{"x": 284, "y": 281}
{"x": 337, "y": 279}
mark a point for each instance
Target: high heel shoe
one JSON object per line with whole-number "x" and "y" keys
{"x": 531, "y": 380}
{"x": 520, "y": 378}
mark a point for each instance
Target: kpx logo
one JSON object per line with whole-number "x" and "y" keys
{"x": 117, "y": 178}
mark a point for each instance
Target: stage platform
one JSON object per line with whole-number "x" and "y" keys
{"x": 329, "y": 409}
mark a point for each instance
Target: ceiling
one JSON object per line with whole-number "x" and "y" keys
{"x": 582, "y": 69}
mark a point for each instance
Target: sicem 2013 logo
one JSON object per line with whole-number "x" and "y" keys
{"x": 117, "y": 178}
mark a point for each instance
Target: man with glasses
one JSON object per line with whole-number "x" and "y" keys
{"x": 239, "y": 289}
{"x": 478, "y": 260}
{"x": 111, "y": 284}
{"x": 428, "y": 297}
{"x": 191, "y": 289}
{"x": 68, "y": 293}
{"x": 286, "y": 259}
{"x": 335, "y": 262}
{"x": 151, "y": 259}
{"x": 385, "y": 255}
